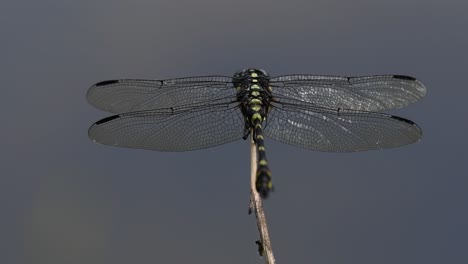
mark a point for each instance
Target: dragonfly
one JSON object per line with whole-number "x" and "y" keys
{"x": 316, "y": 112}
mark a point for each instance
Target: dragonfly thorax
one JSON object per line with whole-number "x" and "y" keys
{"x": 254, "y": 96}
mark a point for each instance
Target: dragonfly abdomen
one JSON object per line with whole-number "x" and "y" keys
{"x": 263, "y": 181}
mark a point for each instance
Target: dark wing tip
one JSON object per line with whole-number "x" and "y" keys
{"x": 409, "y": 122}
{"x": 93, "y": 92}
{"x": 404, "y": 77}
{"x": 91, "y": 130}
{"x": 403, "y": 120}
{"x": 107, "y": 119}
{"x": 104, "y": 83}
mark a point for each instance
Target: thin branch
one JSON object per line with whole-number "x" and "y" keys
{"x": 265, "y": 249}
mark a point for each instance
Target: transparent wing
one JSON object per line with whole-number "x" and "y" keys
{"x": 368, "y": 93}
{"x": 171, "y": 129}
{"x": 340, "y": 130}
{"x": 129, "y": 95}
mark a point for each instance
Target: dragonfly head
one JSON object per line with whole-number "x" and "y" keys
{"x": 249, "y": 74}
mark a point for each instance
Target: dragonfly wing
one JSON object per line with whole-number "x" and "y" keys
{"x": 171, "y": 129}
{"x": 130, "y": 95}
{"x": 367, "y": 93}
{"x": 338, "y": 130}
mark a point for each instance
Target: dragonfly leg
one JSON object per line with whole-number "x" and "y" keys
{"x": 246, "y": 131}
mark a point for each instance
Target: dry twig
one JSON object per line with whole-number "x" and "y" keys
{"x": 256, "y": 204}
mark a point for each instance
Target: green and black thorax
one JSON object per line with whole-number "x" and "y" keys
{"x": 254, "y": 95}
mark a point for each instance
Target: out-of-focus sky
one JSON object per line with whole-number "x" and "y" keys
{"x": 64, "y": 199}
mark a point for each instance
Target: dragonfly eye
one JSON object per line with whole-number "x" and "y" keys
{"x": 241, "y": 73}
{"x": 264, "y": 73}
{"x": 236, "y": 80}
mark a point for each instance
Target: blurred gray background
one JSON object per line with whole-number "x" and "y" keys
{"x": 64, "y": 199}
